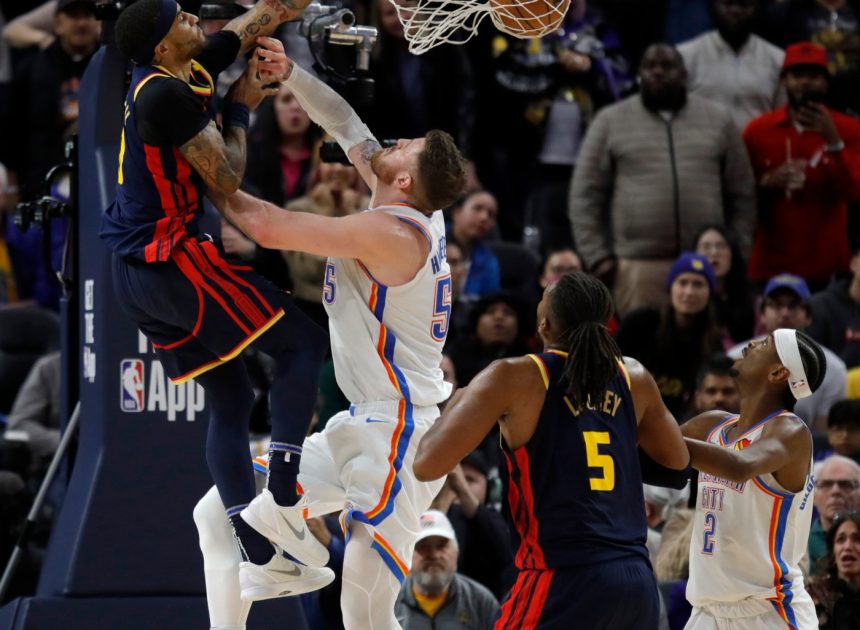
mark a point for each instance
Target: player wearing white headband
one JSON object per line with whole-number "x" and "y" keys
{"x": 754, "y": 503}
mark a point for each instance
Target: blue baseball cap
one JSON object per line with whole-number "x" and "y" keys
{"x": 790, "y": 282}
{"x": 691, "y": 262}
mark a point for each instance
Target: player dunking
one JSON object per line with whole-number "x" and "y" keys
{"x": 388, "y": 295}
{"x": 199, "y": 308}
{"x": 570, "y": 419}
{"x": 754, "y": 504}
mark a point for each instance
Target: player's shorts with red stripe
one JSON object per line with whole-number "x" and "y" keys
{"x": 616, "y": 595}
{"x": 200, "y": 308}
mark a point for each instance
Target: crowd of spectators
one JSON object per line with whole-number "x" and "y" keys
{"x": 701, "y": 157}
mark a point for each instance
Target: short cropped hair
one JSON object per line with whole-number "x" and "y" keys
{"x": 717, "y": 364}
{"x": 845, "y": 413}
{"x": 441, "y": 171}
{"x": 135, "y": 27}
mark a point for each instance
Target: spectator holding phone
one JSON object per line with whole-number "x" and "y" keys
{"x": 806, "y": 159}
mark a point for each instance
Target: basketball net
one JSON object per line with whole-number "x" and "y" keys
{"x": 429, "y": 23}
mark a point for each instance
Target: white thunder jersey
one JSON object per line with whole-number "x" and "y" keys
{"x": 387, "y": 341}
{"x": 748, "y": 537}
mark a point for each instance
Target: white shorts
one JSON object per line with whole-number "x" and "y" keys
{"x": 755, "y": 614}
{"x": 361, "y": 466}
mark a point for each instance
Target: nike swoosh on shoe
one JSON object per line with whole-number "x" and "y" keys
{"x": 300, "y": 534}
{"x": 294, "y": 572}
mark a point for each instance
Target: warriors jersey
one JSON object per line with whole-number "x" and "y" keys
{"x": 159, "y": 196}
{"x": 748, "y": 537}
{"x": 387, "y": 341}
{"x": 575, "y": 488}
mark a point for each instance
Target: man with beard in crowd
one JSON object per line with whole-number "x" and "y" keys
{"x": 434, "y": 595}
{"x": 656, "y": 166}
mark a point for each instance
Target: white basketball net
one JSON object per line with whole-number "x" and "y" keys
{"x": 429, "y": 23}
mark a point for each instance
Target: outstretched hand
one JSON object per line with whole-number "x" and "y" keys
{"x": 251, "y": 88}
{"x": 273, "y": 64}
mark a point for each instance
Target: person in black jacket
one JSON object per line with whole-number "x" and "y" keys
{"x": 836, "y": 315}
{"x": 54, "y": 81}
{"x": 673, "y": 342}
{"x": 837, "y": 592}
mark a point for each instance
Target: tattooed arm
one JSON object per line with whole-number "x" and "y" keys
{"x": 330, "y": 111}
{"x": 263, "y": 18}
{"x": 219, "y": 157}
{"x": 360, "y": 156}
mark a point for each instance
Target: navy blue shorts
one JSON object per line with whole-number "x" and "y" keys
{"x": 615, "y": 595}
{"x": 200, "y": 308}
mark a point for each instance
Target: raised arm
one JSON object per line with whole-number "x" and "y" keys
{"x": 784, "y": 449}
{"x": 219, "y": 157}
{"x": 508, "y": 391}
{"x": 331, "y": 112}
{"x": 391, "y": 249}
{"x": 263, "y": 18}
{"x": 659, "y": 435}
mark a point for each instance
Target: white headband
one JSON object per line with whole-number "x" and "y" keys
{"x": 785, "y": 340}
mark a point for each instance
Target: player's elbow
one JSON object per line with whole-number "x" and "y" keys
{"x": 742, "y": 471}
{"x": 425, "y": 470}
{"x": 225, "y": 185}
{"x": 226, "y": 178}
{"x": 254, "y": 225}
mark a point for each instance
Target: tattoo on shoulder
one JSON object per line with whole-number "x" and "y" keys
{"x": 368, "y": 148}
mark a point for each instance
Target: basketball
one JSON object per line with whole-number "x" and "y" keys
{"x": 528, "y": 18}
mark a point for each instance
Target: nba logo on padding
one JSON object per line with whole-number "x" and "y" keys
{"x": 131, "y": 385}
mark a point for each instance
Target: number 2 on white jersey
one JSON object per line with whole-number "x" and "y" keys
{"x": 710, "y": 528}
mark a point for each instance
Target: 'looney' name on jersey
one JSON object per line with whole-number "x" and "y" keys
{"x": 609, "y": 405}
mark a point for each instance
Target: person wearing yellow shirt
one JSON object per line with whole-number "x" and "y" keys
{"x": 434, "y": 595}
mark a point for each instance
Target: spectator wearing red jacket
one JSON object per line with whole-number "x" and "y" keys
{"x": 806, "y": 159}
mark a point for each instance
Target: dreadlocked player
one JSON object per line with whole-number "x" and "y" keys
{"x": 570, "y": 419}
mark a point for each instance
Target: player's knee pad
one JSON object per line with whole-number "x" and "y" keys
{"x": 369, "y": 588}
{"x": 215, "y": 533}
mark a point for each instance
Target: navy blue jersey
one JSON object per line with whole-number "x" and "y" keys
{"x": 159, "y": 196}
{"x": 575, "y": 487}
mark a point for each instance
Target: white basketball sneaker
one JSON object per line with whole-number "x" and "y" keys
{"x": 280, "y": 577}
{"x": 285, "y": 527}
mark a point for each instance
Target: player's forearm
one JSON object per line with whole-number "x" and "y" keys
{"x": 433, "y": 460}
{"x": 248, "y": 214}
{"x": 328, "y": 109}
{"x": 721, "y": 462}
{"x": 232, "y": 171}
{"x": 656, "y": 474}
{"x": 262, "y": 20}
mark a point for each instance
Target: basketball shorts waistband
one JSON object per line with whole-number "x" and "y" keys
{"x": 392, "y": 408}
